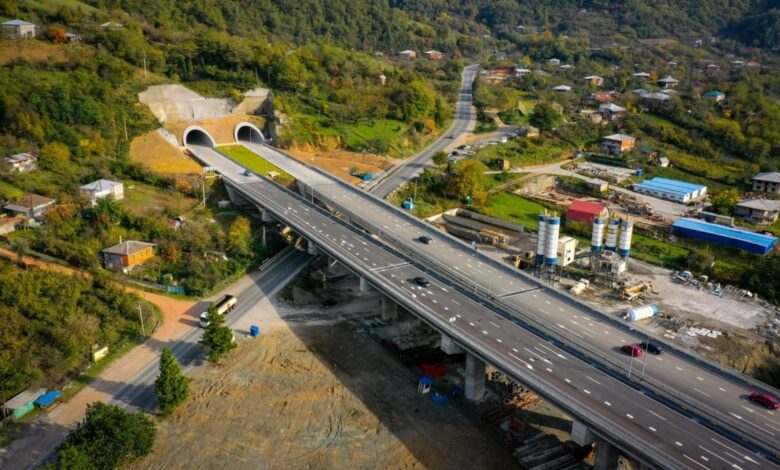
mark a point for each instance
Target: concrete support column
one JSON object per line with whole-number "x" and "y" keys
{"x": 364, "y": 285}
{"x": 266, "y": 216}
{"x": 581, "y": 433}
{"x": 236, "y": 198}
{"x": 607, "y": 456}
{"x": 449, "y": 346}
{"x": 312, "y": 248}
{"x": 475, "y": 378}
{"x": 389, "y": 309}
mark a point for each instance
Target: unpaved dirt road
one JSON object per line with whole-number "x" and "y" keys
{"x": 314, "y": 394}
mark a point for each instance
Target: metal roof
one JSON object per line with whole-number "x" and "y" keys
{"x": 722, "y": 231}
{"x": 48, "y": 398}
{"x": 24, "y": 398}
{"x": 101, "y": 185}
{"x": 761, "y": 204}
{"x": 619, "y": 137}
{"x": 669, "y": 186}
{"x": 127, "y": 247}
{"x": 772, "y": 177}
{"x": 18, "y": 22}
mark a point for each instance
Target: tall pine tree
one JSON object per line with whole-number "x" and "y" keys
{"x": 218, "y": 337}
{"x": 172, "y": 386}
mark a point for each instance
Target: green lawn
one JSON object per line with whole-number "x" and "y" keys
{"x": 143, "y": 199}
{"x": 254, "y": 162}
{"x": 525, "y": 152}
{"x": 513, "y": 208}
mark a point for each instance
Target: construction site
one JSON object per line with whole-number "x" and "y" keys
{"x": 306, "y": 393}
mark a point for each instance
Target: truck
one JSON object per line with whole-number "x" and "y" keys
{"x": 225, "y": 305}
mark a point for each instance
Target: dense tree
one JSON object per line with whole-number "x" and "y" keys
{"x": 725, "y": 201}
{"x": 440, "y": 158}
{"x": 760, "y": 278}
{"x": 467, "y": 178}
{"x": 109, "y": 437}
{"x": 171, "y": 386}
{"x": 217, "y": 336}
{"x": 239, "y": 237}
{"x": 544, "y": 117}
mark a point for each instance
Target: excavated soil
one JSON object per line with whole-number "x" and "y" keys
{"x": 338, "y": 163}
{"x": 325, "y": 396}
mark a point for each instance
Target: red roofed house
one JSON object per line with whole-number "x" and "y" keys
{"x": 597, "y": 98}
{"x": 585, "y": 212}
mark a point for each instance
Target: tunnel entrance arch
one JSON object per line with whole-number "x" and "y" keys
{"x": 196, "y": 135}
{"x": 248, "y": 132}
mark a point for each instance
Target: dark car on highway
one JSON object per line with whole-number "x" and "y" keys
{"x": 425, "y": 240}
{"x": 765, "y": 399}
{"x": 652, "y": 348}
{"x": 422, "y": 282}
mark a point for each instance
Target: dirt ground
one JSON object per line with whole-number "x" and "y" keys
{"x": 156, "y": 153}
{"x": 316, "y": 391}
{"x": 338, "y": 163}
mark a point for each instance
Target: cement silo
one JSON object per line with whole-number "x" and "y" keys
{"x": 626, "y": 231}
{"x": 597, "y": 237}
{"x": 541, "y": 238}
{"x": 612, "y": 235}
{"x": 551, "y": 244}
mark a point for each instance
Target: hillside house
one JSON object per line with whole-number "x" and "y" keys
{"x": 31, "y": 207}
{"x": 72, "y": 38}
{"x": 101, "y": 189}
{"x": 715, "y": 95}
{"x": 617, "y": 144}
{"x": 18, "y": 29}
{"x": 554, "y": 62}
{"x": 562, "y": 88}
{"x": 712, "y": 69}
{"x": 612, "y": 112}
{"x": 111, "y": 26}
{"x": 21, "y": 162}
{"x": 668, "y": 82}
{"x": 594, "y": 80}
{"x": 127, "y": 255}
{"x": 407, "y": 54}
{"x": 767, "y": 182}
{"x": 433, "y": 55}
{"x": 642, "y": 75}
{"x": 591, "y": 115}
{"x": 596, "y": 99}
{"x": 762, "y": 211}
{"x": 520, "y": 72}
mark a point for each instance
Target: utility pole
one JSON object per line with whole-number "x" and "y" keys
{"x": 124, "y": 123}
{"x": 144, "y": 64}
{"x": 647, "y": 351}
{"x": 141, "y": 316}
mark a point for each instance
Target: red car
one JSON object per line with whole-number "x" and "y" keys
{"x": 765, "y": 399}
{"x": 632, "y": 350}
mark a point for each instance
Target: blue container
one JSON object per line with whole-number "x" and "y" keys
{"x": 438, "y": 398}
{"x": 254, "y": 331}
{"x": 640, "y": 172}
{"x": 368, "y": 177}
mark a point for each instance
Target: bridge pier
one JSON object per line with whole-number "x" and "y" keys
{"x": 266, "y": 216}
{"x": 312, "y": 248}
{"x": 475, "y": 378}
{"x": 581, "y": 433}
{"x": 389, "y": 309}
{"x": 449, "y": 346}
{"x": 364, "y": 285}
{"x": 236, "y": 198}
{"x": 607, "y": 456}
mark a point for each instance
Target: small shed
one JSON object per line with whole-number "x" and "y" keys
{"x": 23, "y": 403}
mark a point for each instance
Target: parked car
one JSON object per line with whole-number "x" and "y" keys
{"x": 652, "y": 348}
{"x": 765, "y": 399}
{"x": 422, "y": 281}
{"x": 247, "y": 173}
{"x": 632, "y": 350}
{"x": 425, "y": 240}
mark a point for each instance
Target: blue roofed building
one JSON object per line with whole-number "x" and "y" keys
{"x": 672, "y": 190}
{"x": 727, "y": 236}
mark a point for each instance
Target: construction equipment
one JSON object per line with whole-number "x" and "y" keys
{"x": 631, "y": 293}
{"x": 580, "y": 287}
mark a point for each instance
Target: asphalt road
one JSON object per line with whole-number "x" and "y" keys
{"x": 464, "y": 115}
{"x": 714, "y": 395}
{"x": 576, "y": 386}
{"x": 139, "y": 391}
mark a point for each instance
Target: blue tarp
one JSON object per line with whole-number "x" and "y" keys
{"x": 733, "y": 237}
{"x": 48, "y": 398}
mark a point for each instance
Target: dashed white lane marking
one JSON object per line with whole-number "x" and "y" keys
{"x": 651, "y": 428}
{"x": 608, "y": 403}
{"x": 499, "y": 340}
{"x": 678, "y": 368}
{"x": 700, "y": 379}
{"x": 721, "y": 389}
{"x": 679, "y": 444}
{"x": 592, "y": 379}
{"x": 656, "y": 415}
{"x": 493, "y": 324}
{"x": 629, "y": 416}
{"x": 703, "y": 393}
{"x": 471, "y": 324}
{"x": 586, "y": 391}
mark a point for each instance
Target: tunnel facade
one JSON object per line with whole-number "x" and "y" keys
{"x": 248, "y": 132}
{"x": 196, "y": 135}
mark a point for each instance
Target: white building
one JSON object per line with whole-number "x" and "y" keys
{"x": 617, "y": 143}
{"x": 19, "y": 29}
{"x": 22, "y": 162}
{"x": 767, "y": 182}
{"x": 567, "y": 249}
{"x": 562, "y": 88}
{"x": 101, "y": 189}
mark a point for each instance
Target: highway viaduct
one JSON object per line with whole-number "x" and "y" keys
{"x": 612, "y": 411}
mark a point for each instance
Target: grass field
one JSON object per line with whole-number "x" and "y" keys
{"x": 513, "y": 208}
{"x": 254, "y": 162}
{"x": 525, "y": 152}
{"x": 142, "y": 199}
{"x": 154, "y": 152}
